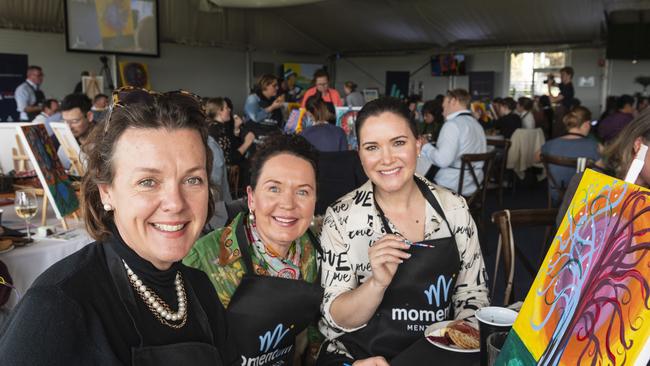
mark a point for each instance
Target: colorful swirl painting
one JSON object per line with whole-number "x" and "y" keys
{"x": 590, "y": 301}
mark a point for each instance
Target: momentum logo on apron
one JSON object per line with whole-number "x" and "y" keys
{"x": 269, "y": 342}
{"x": 437, "y": 296}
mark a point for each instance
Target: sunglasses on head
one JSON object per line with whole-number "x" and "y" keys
{"x": 128, "y": 95}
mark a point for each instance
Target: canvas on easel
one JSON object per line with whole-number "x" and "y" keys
{"x": 54, "y": 180}
{"x": 590, "y": 301}
{"x": 346, "y": 117}
{"x": 70, "y": 147}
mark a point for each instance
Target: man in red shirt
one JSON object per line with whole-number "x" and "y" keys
{"x": 321, "y": 81}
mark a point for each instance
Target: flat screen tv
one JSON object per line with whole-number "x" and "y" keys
{"x": 127, "y": 27}
{"x": 448, "y": 65}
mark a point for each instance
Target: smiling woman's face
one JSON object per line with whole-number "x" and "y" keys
{"x": 159, "y": 192}
{"x": 283, "y": 200}
{"x": 388, "y": 151}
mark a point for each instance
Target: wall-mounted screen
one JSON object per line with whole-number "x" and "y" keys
{"x": 448, "y": 65}
{"x": 112, "y": 26}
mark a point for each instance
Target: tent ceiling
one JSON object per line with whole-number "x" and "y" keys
{"x": 357, "y": 26}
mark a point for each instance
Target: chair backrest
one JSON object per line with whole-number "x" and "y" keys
{"x": 561, "y": 161}
{"x": 505, "y": 220}
{"x": 505, "y": 146}
{"x": 338, "y": 173}
{"x": 468, "y": 162}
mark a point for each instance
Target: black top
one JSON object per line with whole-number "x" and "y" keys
{"x": 223, "y": 134}
{"x": 508, "y": 124}
{"x": 72, "y": 314}
{"x": 567, "y": 93}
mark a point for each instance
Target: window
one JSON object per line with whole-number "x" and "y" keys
{"x": 529, "y": 70}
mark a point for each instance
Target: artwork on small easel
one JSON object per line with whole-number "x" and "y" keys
{"x": 56, "y": 183}
{"x": 92, "y": 85}
{"x": 70, "y": 147}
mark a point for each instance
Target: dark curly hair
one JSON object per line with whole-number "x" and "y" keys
{"x": 295, "y": 145}
{"x": 167, "y": 111}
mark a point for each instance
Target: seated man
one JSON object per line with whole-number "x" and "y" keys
{"x": 75, "y": 109}
{"x": 460, "y": 134}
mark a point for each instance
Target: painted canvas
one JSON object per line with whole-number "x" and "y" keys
{"x": 304, "y": 73}
{"x": 49, "y": 169}
{"x": 346, "y": 118}
{"x": 590, "y": 301}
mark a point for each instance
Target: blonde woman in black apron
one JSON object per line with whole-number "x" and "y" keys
{"x": 264, "y": 264}
{"x": 127, "y": 299}
{"x": 399, "y": 253}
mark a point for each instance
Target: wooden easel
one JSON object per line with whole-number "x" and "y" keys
{"x": 21, "y": 159}
{"x": 21, "y": 162}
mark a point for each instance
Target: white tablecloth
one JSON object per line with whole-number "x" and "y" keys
{"x": 26, "y": 263}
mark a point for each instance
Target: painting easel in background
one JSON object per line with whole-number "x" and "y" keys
{"x": 55, "y": 182}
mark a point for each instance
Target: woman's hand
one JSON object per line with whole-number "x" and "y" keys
{"x": 385, "y": 255}
{"x": 372, "y": 361}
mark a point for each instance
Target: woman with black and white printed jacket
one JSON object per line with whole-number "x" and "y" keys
{"x": 399, "y": 253}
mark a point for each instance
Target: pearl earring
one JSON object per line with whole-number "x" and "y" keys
{"x": 251, "y": 216}
{"x": 312, "y": 221}
{"x": 108, "y": 207}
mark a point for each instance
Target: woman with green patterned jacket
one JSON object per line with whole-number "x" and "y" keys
{"x": 264, "y": 263}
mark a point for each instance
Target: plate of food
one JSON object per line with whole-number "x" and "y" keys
{"x": 454, "y": 335}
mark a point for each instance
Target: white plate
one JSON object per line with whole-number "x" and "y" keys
{"x": 434, "y": 330}
{"x": 8, "y": 249}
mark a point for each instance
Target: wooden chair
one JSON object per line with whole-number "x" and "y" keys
{"x": 233, "y": 180}
{"x": 553, "y": 184}
{"x": 508, "y": 251}
{"x": 504, "y": 146}
{"x": 476, "y": 200}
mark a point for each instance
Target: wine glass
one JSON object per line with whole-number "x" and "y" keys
{"x": 26, "y": 207}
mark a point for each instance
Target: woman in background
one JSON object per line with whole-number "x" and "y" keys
{"x": 353, "y": 98}
{"x": 325, "y": 136}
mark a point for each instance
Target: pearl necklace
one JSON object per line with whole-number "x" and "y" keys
{"x": 158, "y": 307}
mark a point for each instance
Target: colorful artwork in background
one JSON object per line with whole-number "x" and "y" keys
{"x": 480, "y": 109}
{"x": 134, "y": 74}
{"x": 115, "y": 18}
{"x": 304, "y": 73}
{"x": 295, "y": 121}
{"x": 49, "y": 169}
{"x": 346, "y": 118}
{"x": 590, "y": 301}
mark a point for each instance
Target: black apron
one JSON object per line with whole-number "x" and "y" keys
{"x": 267, "y": 313}
{"x": 419, "y": 295}
{"x": 40, "y": 98}
{"x": 185, "y": 353}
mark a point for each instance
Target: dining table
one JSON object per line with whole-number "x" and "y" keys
{"x": 25, "y": 263}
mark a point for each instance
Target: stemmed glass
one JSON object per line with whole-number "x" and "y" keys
{"x": 26, "y": 207}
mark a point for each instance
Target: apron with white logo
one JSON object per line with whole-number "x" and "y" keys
{"x": 419, "y": 295}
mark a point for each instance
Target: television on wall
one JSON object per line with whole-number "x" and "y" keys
{"x": 126, "y": 27}
{"x": 448, "y": 65}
